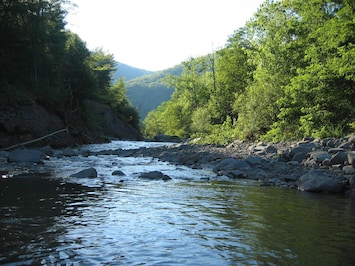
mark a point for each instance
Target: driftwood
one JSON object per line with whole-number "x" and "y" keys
{"x": 35, "y": 140}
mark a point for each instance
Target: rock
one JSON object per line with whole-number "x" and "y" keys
{"x": 338, "y": 158}
{"x": 25, "y": 155}
{"x": 84, "y": 152}
{"x": 166, "y": 138}
{"x": 155, "y": 175}
{"x": 47, "y": 150}
{"x": 345, "y": 146}
{"x": 303, "y": 148}
{"x": 68, "y": 152}
{"x": 351, "y": 158}
{"x": 320, "y": 156}
{"x": 118, "y": 173}
{"x": 335, "y": 150}
{"x": 231, "y": 164}
{"x": 319, "y": 181}
{"x": 299, "y": 157}
{"x": 352, "y": 182}
{"x": 90, "y": 172}
{"x": 349, "y": 170}
{"x": 189, "y": 159}
{"x": 236, "y": 174}
{"x": 270, "y": 149}
{"x": 253, "y": 160}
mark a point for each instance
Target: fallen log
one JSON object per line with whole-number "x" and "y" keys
{"x": 37, "y": 139}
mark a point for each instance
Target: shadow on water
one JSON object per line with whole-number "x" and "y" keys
{"x": 272, "y": 226}
{"x": 29, "y": 209}
{"x": 186, "y": 221}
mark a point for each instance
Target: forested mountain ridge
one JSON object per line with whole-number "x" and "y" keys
{"x": 288, "y": 73}
{"x": 47, "y": 71}
{"x": 128, "y": 72}
{"x": 147, "y": 92}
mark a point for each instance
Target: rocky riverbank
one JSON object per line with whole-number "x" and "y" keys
{"x": 310, "y": 165}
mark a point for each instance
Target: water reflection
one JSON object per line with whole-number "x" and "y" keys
{"x": 281, "y": 227}
{"x": 29, "y": 210}
{"x": 102, "y": 221}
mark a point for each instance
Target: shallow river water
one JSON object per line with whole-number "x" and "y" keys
{"x": 122, "y": 220}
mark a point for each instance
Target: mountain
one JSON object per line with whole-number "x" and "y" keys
{"x": 148, "y": 92}
{"x": 127, "y": 72}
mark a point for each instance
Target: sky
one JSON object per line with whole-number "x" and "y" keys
{"x": 158, "y": 34}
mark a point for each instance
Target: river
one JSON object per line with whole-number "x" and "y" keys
{"x": 123, "y": 220}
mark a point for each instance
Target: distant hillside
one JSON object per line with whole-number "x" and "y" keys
{"x": 148, "y": 92}
{"x": 127, "y": 72}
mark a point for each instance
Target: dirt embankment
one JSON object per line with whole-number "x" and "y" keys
{"x": 24, "y": 123}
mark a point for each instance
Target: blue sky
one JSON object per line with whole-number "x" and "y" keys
{"x": 158, "y": 34}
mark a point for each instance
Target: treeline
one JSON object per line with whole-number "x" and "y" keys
{"x": 43, "y": 63}
{"x": 149, "y": 91}
{"x": 287, "y": 74}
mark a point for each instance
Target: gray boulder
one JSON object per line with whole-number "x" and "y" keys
{"x": 154, "y": 175}
{"x": 319, "y": 181}
{"x": 231, "y": 164}
{"x": 349, "y": 170}
{"x": 25, "y": 155}
{"x": 338, "y": 158}
{"x": 320, "y": 156}
{"x": 351, "y": 158}
{"x": 90, "y": 172}
{"x": 118, "y": 173}
{"x": 254, "y": 160}
{"x": 303, "y": 148}
{"x": 166, "y": 138}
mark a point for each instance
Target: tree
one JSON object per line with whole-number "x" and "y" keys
{"x": 103, "y": 66}
{"x": 320, "y": 99}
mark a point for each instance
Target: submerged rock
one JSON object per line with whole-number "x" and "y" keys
{"x": 118, "y": 173}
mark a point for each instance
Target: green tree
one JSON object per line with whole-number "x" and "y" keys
{"x": 103, "y": 66}
{"x": 320, "y": 99}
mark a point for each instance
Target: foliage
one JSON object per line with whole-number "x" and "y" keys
{"x": 149, "y": 91}
{"x": 287, "y": 74}
{"x": 42, "y": 62}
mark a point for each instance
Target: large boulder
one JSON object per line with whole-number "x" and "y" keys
{"x": 166, "y": 138}
{"x": 89, "y": 172}
{"x": 25, "y": 155}
{"x": 154, "y": 175}
{"x": 320, "y": 156}
{"x": 351, "y": 158}
{"x": 231, "y": 164}
{"x": 319, "y": 181}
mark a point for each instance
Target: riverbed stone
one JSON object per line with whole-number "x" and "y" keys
{"x": 231, "y": 164}
{"x": 302, "y": 149}
{"x": 47, "y": 150}
{"x": 118, "y": 173}
{"x": 254, "y": 160}
{"x": 338, "y": 158}
{"x": 349, "y": 170}
{"x": 320, "y": 156}
{"x": 300, "y": 156}
{"x": 89, "y": 172}
{"x": 155, "y": 175}
{"x": 319, "y": 181}
{"x": 25, "y": 155}
{"x": 351, "y": 158}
